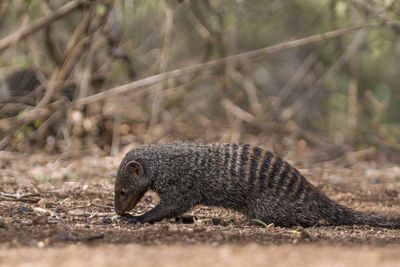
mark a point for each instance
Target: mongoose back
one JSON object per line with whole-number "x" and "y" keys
{"x": 235, "y": 176}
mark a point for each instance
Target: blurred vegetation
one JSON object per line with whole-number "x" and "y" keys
{"x": 340, "y": 92}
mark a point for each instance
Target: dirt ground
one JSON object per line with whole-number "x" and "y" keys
{"x": 59, "y": 210}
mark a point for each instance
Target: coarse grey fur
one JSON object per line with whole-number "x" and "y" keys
{"x": 23, "y": 81}
{"x": 18, "y": 83}
{"x": 239, "y": 177}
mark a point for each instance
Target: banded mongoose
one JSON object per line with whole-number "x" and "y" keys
{"x": 22, "y": 82}
{"x": 18, "y": 83}
{"x": 235, "y": 176}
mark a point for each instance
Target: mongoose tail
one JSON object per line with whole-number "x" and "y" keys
{"x": 239, "y": 177}
{"x": 361, "y": 218}
{"x": 312, "y": 208}
{"x": 330, "y": 213}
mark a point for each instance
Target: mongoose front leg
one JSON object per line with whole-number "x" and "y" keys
{"x": 163, "y": 210}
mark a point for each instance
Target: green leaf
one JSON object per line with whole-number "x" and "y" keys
{"x": 260, "y": 222}
{"x": 38, "y": 122}
{"x": 101, "y": 10}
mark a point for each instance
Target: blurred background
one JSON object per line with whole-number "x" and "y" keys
{"x": 82, "y": 76}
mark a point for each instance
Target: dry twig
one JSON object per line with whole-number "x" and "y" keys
{"x": 19, "y": 196}
{"x": 352, "y": 156}
{"x": 83, "y": 213}
{"x": 29, "y": 197}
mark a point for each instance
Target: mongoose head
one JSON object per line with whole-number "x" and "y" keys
{"x": 130, "y": 186}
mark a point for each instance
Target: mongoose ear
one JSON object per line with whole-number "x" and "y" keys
{"x": 135, "y": 167}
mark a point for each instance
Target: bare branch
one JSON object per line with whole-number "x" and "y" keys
{"x": 243, "y": 115}
{"x": 156, "y": 105}
{"x": 51, "y": 45}
{"x": 40, "y": 23}
{"x": 295, "y": 80}
{"x": 235, "y": 58}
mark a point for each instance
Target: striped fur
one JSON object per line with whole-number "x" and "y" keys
{"x": 240, "y": 177}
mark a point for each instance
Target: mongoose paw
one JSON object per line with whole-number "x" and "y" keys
{"x": 129, "y": 218}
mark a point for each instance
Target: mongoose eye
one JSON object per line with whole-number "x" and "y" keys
{"x": 122, "y": 193}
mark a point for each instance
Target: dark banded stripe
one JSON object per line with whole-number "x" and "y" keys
{"x": 236, "y": 182}
{"x": 234, "y": 159}
{"x": 274, "y": 172}
{"x": 217, "y": 161}
{"x": 301, "y": 184}
{"x": 296, "y": 171}
{"x": 283, "y": 177}
{"x": 265, "y": 167}
{"x": 211, "y": 159}
{"x": 293, "y": 179}
{"x": 244, "y": 158}
{"x": 227, "y": 156}
{"x": 254, "y": 163}
{"x": 308, "y": 192}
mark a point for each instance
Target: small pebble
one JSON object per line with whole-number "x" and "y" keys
{"x": 44, "y": 204}
{"x": 39, "y": 220}
{"x": 373, "y": 181}
{"x": 107, "y": 220}
{"x": 24, "y": 209}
